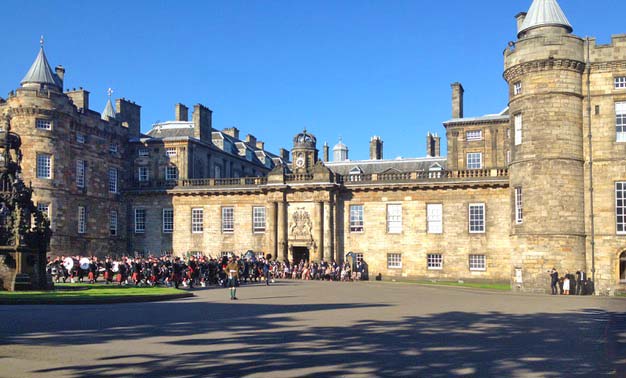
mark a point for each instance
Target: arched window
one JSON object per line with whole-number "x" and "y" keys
{"x": 622, "y": 267}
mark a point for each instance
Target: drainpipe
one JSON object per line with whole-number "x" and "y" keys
{"x": 593, "y": 231}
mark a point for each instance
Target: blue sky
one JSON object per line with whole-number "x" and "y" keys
{"x": 271, "y": 68}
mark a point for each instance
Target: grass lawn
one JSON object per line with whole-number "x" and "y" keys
{"x": 475, "y": 285}
{"x": 88, "y": 293}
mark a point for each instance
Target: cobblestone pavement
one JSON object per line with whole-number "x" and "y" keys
{"x": 318, "y": 329}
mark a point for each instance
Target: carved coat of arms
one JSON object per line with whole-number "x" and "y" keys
{"x": 301, "y": 226}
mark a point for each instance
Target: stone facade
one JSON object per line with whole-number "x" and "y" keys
{"x": 511, "y": 200}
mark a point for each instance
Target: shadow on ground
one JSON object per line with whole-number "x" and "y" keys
{"x": 442, "y": 345}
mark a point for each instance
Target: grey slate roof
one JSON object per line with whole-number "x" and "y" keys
{"x": 108, "y": 111}
{"x": 543, "y": 13}
{"x": 367, "y": 167}
{"x": 171, "y": 132}
{"x": 40, "y": 72}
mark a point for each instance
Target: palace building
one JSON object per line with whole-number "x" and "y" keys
{"x": 538, "y": 185}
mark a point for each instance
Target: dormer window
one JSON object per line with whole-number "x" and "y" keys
{"x": 143, "y": 151}
{"x": 474, "y": 135}
{"x": 620, "y": 82}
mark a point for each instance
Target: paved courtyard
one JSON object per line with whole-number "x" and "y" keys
{"x": 319, "y": 329}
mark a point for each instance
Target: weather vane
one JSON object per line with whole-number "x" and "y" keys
{"x": 110, "y": 92}
{"x": 41, "y": 41}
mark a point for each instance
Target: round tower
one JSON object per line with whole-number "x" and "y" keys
{"x": 544, "y": 70}
{"x": 304, "y": 153}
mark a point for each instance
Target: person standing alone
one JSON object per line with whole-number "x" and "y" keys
{"x": 232, "y": 269}
{"x": 554, "y": 280}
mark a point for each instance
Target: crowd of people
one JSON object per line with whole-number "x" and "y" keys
{"x": 195, "y": 270}
{"x": 570, "y": 284}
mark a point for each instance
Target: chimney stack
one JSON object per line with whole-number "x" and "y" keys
{"x": 60, "y": 71}
{"x": 130, "y": 115}
{"x": 376, "y": 148}
{"x": 232, "y": 131}
{"x": 202, "y": 123}
{"x": 284, "y": 154}
{"x": 457, "y": 100}
{"x": 80, "y": 98}
{"x": 326, "y": 150}
{"x": 520, "y": 20}
{"x": 251, "y": 140}
{"x": 181, "y": 112}
{"x": 260, "y": 145}
{"x": 433, "y": 145}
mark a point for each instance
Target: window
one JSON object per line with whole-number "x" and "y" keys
{"x": 228, "y": 219}
{"x": 477, "y": 262}
{"x": 80, "y": 173}
{"x": 43, "y": 124}
{"x": 622, "y": 267}
{"x": 434, "y": 261}
{"x": 356, "y": 218}
{"x": 519, "y": 215}
{"x": 508, "y": 157}
{"x": 82, "y": 220}
{"x": 80, "y": 138}
{"x": 620, "y": 121}
{"x": 434, "y": 218}
{"x": 474, "y": 160}
{"x": 517, "y": 88}
{"x": 394, "y": 260}
{"x": 474, "y": 135}
{"x": 113, "y": 223}
{"x": 143, "y": 151}
{"x": 197, "y": 220}
{"x": 168, "y": 220}
{"x": 112, "y": 180}
{"x": 144, "y": 174}
{"x": 620, "y": 82}
{"x": 620, "y": 207}
{"x": 258, "y": 219}
{"x": 113, "y": 148}
{"x": 44, "y": 208}
{"x": 44, "y": 166}
{"x": 171, "y": 173}
{"x": 140, "y": 221}
{"x": 394, "y": 218}
{"x": 518, "y": 129}
{"x": 358, "y": 256}
{"x": 218, "y": 171}
{"x": 170, "y": 151}
{"x": 477, "y": 218}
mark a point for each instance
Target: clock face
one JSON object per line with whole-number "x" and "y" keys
{"x": 300, "y": 162}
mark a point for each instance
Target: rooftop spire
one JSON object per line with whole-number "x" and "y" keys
{"x": 40, "y": 72}
{"x": 544, "y": 13}
{"x": 108, "y": 109}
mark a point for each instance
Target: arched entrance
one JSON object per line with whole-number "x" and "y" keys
{"x": 300, "y": 254}
{"x": 622, "y": 267}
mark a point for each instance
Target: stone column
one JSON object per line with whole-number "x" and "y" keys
{"x": 319, "y": 227}
{"x": 271, "y": 231}
{"x": 282, "y": 231}
{"x": 328, "y": 253}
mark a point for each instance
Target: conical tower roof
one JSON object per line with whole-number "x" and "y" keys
{"x": 40, "y": 72}
{"x": 108, "y": 111}
{"x": 545, "y": 13}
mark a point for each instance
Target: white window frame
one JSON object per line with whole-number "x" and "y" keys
{"x": 228, "y": 219}
{"x": 113, "y": 223}
{"x": 44, "y": 166}
{"x": 170, "y": 151}
{"x": 434, "y": 218}
{"x": 394, "y": 260}
{"x": 113, "y": 180}
{"x": 508, "y": 157}
{"x": 620, "y": 208}
{"x": 44, "y": 207}
{"x": 82, "y": 219}
{"x": 218, "y": 171}
{"x": 519, "y": 214}
{"x": 620, "y": 121}
{"x": 474, "y": 135}
{"x": 167, "y": 217}
{"x": 43, "y": 124}
{"x": 140, "y": 220}
{"x": 517, "y": 88}
{"x": 143, "y": 174}
{"x": 356, "y": 218}
{"x": 434, "y": 261}
{"x": 474, "y": 160}
{"x": 518, "y": 124}
{"x": 113, "y": 147}
{"x": 143, "y": 151}
{"x": 476, "y": 225}
{"x": 169, "y": 176}
{"x": 619, "y": 82}
{"x": 394, "y": 218}
{"x": 258, "y": 219}
{"x": 80, "y": 138}
{"x": 80, "y": 173}
{"x": 477, "y": 262}
{"x": 197, "y": 220}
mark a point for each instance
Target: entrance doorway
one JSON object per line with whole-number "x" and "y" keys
{"x": 299, "y": 254}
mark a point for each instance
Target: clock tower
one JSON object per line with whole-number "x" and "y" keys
{"x": 304, "y": 153}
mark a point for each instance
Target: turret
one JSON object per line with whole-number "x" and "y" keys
{"x": 544, "y": 70}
